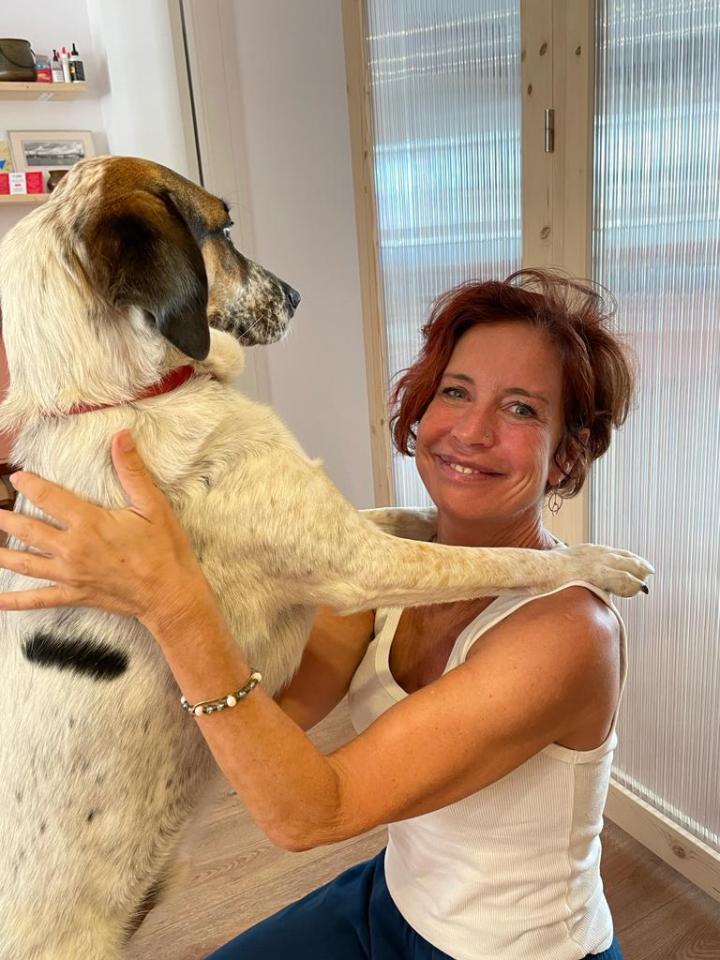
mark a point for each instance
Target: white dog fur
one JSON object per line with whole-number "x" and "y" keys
{"x": 99, "y": 767}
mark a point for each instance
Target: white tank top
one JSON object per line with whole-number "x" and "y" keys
{"x": 511, "y": 872}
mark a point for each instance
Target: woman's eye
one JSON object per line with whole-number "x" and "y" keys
{"x": 523, "y": 410}
{"x": 455, "y": 393}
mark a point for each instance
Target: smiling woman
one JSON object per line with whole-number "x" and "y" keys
{"x": 482, "y": 450}
{"x": 474, "y": 397}
{"x": 485, "y": 728}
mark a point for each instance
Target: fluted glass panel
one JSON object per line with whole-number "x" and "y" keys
{"x": 445, "y": 93}
{"x": 657, "y": 247}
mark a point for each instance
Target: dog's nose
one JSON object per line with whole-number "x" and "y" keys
{"x": 292, "y": 295}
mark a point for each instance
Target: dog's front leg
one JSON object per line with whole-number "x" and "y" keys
{"x": 320, "y": 551}
{"x": 378, "y": 570}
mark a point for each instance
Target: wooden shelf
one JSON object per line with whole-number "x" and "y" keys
{"x": 10, "y": 90}
{"x": 23, "y": 198}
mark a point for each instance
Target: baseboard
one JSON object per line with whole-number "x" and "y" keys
{"x": 696, "y": 861}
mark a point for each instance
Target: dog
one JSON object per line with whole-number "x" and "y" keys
{"x": 124, "y": 277}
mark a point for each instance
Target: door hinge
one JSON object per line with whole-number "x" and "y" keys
{"x": 549, "y": 130}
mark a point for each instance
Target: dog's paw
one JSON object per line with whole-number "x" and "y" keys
{"x": 616, "y": 571}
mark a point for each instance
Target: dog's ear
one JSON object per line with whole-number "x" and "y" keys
{"x": 141, "y": 253}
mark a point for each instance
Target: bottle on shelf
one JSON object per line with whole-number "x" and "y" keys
{"x": 56, "y": 68}
{"x": 77, "y": 67}
{"x": 65, "y": 62}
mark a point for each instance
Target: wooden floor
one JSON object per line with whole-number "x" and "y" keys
{"x": 233, "y": 877}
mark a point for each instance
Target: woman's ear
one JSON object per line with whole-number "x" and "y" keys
{"x": 566, "y": 456}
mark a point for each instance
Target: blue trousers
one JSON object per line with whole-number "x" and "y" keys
{"x": 351, "y": 918}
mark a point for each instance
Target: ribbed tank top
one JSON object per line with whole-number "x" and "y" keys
{"x": 511, "y": 872}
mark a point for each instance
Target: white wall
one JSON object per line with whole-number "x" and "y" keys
{"x": 297, "y": 156}
{"x": 137, "y": 80}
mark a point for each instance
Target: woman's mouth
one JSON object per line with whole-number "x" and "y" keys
{"x": 464, "y": 469}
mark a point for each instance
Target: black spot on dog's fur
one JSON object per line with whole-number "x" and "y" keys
{"x": 150, "y": 898}
{"x": 90, "y": 817}
{"x": 92, "y": 658}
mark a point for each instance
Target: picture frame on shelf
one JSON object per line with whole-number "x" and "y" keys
{"x": 48, "y": 150}
{"x": 5, "y": 161}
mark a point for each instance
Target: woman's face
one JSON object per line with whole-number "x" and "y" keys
{"x": 485, "y": 444}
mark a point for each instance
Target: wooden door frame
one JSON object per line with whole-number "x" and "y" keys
{"x": 558, "y": 54}
{"x": 371, "y": 290}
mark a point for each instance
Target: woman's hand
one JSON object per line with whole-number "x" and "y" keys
{"x": 136, "y": 560}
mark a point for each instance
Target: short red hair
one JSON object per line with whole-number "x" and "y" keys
{"x": 598, "y": 376}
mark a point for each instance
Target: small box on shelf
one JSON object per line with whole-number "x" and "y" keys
{"x": 43, "y": 72}
{"x": 21, "y": 182}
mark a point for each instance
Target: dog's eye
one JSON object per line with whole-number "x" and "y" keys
{"x": 226, "y": 231}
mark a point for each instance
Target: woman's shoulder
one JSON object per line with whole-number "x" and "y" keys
{"x": 573, "y": 619}
{"x": 575, "y": 608}
{"x": 576, "y": 600}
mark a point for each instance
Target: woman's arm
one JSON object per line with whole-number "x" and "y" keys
{"x": 526, "y": 686}
{"x": 332, "y": 655}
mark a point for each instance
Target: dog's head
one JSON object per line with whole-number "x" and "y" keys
{"x": 154, "y": 240}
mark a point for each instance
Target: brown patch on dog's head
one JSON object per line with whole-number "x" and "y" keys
{"x": 142, "y": 254}
{"x": 155, "y": 240}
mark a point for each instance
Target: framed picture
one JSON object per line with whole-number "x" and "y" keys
{"x": 5, "y": 161}
{"x": 48, "y": 150}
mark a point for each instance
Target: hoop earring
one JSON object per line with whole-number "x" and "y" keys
{"x": 554, "y": 503}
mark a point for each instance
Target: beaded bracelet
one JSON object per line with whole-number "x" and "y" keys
{"x": 226, "y": 702}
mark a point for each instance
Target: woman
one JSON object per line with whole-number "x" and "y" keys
{"x": 485, "y": 728}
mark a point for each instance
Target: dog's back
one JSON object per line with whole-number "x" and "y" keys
{"x": 100, "y": 768}
{"x": 104, "y": 290}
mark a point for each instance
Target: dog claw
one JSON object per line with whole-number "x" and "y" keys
{"x": 645, "y": 588}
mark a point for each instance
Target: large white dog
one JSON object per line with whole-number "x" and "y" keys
{"x": 106, "y": 293}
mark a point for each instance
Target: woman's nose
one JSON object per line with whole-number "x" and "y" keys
{"x": 473, "y": 429}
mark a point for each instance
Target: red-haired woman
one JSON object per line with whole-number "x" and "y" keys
{"x": 485, "y": 729}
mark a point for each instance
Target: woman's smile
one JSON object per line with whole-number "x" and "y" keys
{"x": 458, "y": 469}
{"x": 485, "y": 443}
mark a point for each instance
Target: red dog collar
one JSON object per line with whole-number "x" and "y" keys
{"x": 172, "y": 379}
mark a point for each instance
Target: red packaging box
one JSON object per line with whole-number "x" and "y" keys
{"x": 34, "y": 181}
{"x": 4, "y": 184}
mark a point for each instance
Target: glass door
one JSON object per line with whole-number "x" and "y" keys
{"x": 656, "y": 246}
{"x": 445, "y": 93}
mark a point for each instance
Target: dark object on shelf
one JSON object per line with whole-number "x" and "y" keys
{"x": 54, "y": 178}
{"x": 17, "y": 62}
{"x": 77, "y": 67}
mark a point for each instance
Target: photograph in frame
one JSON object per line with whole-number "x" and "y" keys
{"x": 48, "y": 150}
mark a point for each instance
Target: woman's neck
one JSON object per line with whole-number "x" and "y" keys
{"x": 527, "y": 532}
